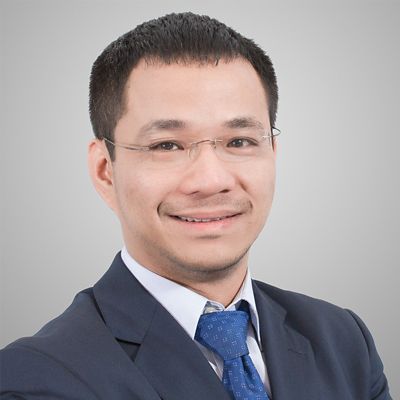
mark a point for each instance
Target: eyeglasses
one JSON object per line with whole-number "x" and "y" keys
{"x": 247, "y": 146}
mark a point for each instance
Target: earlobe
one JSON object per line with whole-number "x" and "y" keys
{"x": 100, "y": 170}
{"x": 275, "y": 147}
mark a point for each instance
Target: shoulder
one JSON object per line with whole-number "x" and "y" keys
{"x": 338, "y": 337}
{"x": 52, "y": 353}
{"x": 301, "y": 308}
{"x": 80, "y": 319}
{"x": 315, "y": 317}
{"x": 28, "y": 373}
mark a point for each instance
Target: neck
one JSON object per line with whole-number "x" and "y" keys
{"x": 223, "y": 290}
{"x": 221, "y": 285}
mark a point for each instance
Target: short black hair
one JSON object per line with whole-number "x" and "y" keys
{"x": 184, "y": 37}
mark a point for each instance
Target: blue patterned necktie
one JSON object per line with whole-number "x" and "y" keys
{"x": 225, "y": 333}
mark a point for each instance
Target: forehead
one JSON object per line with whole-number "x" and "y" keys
{"x": 200, "y": 95}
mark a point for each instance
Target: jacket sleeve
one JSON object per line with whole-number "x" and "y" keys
{"x": 379, "y": 385}
{"x": 22, "y": 372}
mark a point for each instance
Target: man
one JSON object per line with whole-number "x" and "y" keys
{"x": 183, "y": 109}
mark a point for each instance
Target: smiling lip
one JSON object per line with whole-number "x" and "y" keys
{"x": 202, "y": 220}
{"x": 204, "y": 217}
{"x": 206, "y": 222}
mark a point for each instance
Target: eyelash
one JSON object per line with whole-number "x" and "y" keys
{"x": 250, "y": 142}
{"x": 159, "y": 145}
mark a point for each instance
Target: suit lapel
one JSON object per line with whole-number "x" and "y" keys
{"x": 170, "y": 361}
{"x": 173, "y": 363}
{"x": 288, "y": 355}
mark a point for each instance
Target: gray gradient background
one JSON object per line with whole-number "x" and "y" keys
{"x": 334, "y": 229}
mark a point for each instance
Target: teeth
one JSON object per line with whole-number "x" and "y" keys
{"x": 189, "y": 219}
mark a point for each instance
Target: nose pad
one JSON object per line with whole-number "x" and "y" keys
{"x": 194, "y": 148}
{"x": 207, "y": 174}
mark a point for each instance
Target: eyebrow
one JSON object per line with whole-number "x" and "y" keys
{"x": 162, "y": 125}
{"x": 243, "y": 122}
{"x": 177, "y": 125}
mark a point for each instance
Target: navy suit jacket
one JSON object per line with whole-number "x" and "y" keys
{"x": 116, "y": 342}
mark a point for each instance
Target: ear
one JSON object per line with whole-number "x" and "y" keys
{"x": 101, "y": 172}
{"x": 275, "y": 147}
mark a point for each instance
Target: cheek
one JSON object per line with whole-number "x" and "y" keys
{"x": 262, "y": 194}
{"x": 261, "y": 183}
{"x": 262, "y": 200}
{"x": 141, "y": 192}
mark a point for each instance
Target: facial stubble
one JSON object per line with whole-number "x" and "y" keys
{"x": 181, "y": 270}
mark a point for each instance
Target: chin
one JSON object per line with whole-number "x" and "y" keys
{"x": 206, "y": 267}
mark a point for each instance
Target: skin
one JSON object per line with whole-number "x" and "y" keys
{"x": 210, "y": 258}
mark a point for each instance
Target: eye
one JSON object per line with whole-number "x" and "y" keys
{"x": 242, "y": 142}
{"x": 165, "y": 146}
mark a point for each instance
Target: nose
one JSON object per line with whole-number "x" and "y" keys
{"x": 206, "y": 173}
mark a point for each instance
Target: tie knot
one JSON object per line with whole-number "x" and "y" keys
{"x": 224, "y": 332}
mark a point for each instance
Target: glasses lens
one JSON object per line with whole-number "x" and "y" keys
{"x": 168, "y": 154}
{"x": 244, "y": 147}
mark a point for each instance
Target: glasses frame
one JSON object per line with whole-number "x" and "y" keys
{"x": 274, "y": 132}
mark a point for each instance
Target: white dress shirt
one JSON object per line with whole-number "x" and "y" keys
{"x": 186, "y": 306}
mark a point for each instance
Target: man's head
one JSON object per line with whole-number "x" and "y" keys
{"x": 185, "y": 38}
{"x": 169, "y": 83}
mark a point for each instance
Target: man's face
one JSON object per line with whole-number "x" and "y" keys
{"x": 201, "y": 101}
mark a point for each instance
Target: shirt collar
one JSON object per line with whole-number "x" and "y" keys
{"x": 185, "y": 305}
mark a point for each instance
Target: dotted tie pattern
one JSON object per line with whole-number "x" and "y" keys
{"x": 225, "y": 334}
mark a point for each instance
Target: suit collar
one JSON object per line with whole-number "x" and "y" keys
{"x": 288, "y": 354}
{"x": 165, "y": 350}
{"x": 126, "y": 307}
{"x": 184, "y": 304}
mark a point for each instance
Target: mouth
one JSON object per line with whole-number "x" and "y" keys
{"x": 206, "y": 223}
{"x": 202, "y": 219}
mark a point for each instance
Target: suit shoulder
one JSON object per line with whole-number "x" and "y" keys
{"x": 335, "y": 334}
{"x": 315, "y": 317}
{"x": 79, "y": 319}
{"x": 298, "y": 302}
{"x": 29, "y": 373}
{"x": 325, "y": 324}
{"x": 47, "y": 361}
